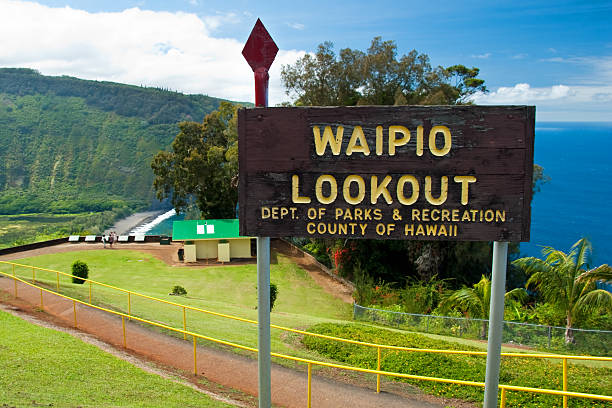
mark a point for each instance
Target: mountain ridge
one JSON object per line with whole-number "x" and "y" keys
{"x": 74, "y": 145}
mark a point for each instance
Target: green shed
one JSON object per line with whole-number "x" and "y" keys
{"x": 210, "y": 239}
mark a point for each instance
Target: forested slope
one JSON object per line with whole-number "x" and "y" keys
{"x": 71, "y": 145}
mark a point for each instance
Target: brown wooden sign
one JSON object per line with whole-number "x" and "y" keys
{"x": 406, "y": 172}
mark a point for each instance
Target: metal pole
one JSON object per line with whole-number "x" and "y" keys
{"x": 565, "y": 382}
{"x": 260, "y": 51}
{"x": 263, "y": 311}
{"x": 496, "y": 321}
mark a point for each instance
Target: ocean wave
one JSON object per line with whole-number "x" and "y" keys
{"x": 144, "y": 228}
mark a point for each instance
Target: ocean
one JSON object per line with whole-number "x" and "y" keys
{"x": 574, "y": 203}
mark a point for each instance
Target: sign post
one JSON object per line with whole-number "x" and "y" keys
{"x": 496, "y": 322}
{"x": 453, "y": 173}
{"x": 260, "y": 51}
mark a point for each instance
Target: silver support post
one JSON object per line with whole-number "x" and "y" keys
{"x": 496, "y": 322}
{"x": 263, "y": 311}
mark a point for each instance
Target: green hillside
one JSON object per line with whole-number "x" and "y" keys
{"x": 70, "y": 146}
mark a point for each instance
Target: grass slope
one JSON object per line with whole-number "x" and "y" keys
{"x": 226, "y": 289}
{"x": 40, "y": 366}
{"x": 516, "y": 371}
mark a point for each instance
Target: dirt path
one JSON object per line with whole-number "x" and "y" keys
{"x": 226, "y": 369}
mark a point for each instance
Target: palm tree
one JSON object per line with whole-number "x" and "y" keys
{"x": 565, "y": 280}
{"x": 475, "y": 301}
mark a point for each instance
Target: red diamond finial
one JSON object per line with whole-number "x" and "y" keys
{"x": 260, "y": 49}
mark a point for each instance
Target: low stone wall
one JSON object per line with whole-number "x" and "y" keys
{"x": 58, "y": 241}
{"x": 35, "y": 245}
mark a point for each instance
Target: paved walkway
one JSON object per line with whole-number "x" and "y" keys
{"x": 225, "y": 368}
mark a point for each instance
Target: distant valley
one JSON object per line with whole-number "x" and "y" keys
{"x": 81, "y": 149}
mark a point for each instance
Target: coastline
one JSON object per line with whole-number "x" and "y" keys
{"x": 127, "y": 224}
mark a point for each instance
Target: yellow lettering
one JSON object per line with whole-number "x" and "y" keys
{"x": 376, "y": 190}
{"x": 445, "y": 215}
{"x": 346, "y": 189}
{"x": 310, "y": 228}
{"x": 500, "y": 216}
{"x": 265, "y": 213}
{"x": 432, "y": 140}
{"x": 435, "y": 214}
{"x": 431, "y": 229}
{"x": 409, "y": 229}
{"x": 420, "y": 230}
{"x": 425, "y": 215}
{"x": 465, "y": 216}
{"x": 335, "y": 144}
{"x": 443, "y": 191}
{"x": 333, "y": 189}
{"x": 455, "y": 215}
{"x": 295, "y": 191}
{"x": 379, "y": 140}
{"x": 362, "y": 147}
{"x": 416, "y": 214}
{"x": 377, "y": 214}
{"x": 419, "y": 146}
{"x": 489, "y": 215}
{"x": 393, "y": 142}
{"x": 363, "y": 228}
{"x": 400, "y": 190}
{"x": 465, "y": 182}
{"x": 358, "y": 214}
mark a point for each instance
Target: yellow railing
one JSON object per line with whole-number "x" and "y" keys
{"x": 503, "y": 387}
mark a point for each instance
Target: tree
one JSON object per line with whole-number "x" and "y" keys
{"x": 203, "y": 165}
{"x": 566, "y": 282}
{"x": 476, "y": 301}
{"x": 379, "y": 76}
{"x": 376, "y": 77}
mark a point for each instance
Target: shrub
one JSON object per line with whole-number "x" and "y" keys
{"x": 80, "y": 271}
{"x": 273, "y": 294}
{"x": 178, "y": 290}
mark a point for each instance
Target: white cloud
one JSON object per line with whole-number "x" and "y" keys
{"x": 521, "y": 94}
{"x": 481, "y": 56}
{"x": 154, "y": 48}
{"x": 555, "y": 103}
{"x": 297, "y": 26}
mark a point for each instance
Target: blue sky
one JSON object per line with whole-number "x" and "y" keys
{"x": 556, "y": 55}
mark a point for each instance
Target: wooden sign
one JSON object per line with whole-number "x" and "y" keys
{"x": 405, "y": 172}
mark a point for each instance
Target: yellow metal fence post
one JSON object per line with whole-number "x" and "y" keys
{"x": 503, "y": 398}
{"x": 378, "y": 375}
{"x": 309, "y": 385}
{"x": 565, "y": 382}
{"x": 74, "y": 311}
{"x": 41, "y": 300}
{"x": 130, "y": 303}
{"x": 195, "y": 358}
{"x": 15, "y": 280}
{"x": 90, "y": 292}
{"x": 123, "y": 326}
{"x": 58, "y": 281}
{"x": 33, "y": 275}
{"x": 184, "y": 324}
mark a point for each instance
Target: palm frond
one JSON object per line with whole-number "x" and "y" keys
{"x": 595, "y": 300}
{"x": 602, "y": 272}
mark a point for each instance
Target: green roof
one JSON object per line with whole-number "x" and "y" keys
{"x": 205, "y": 229}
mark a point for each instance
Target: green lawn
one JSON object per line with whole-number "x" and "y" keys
{"x": 44, "y": 367}
{"x": 225, "y": 289}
